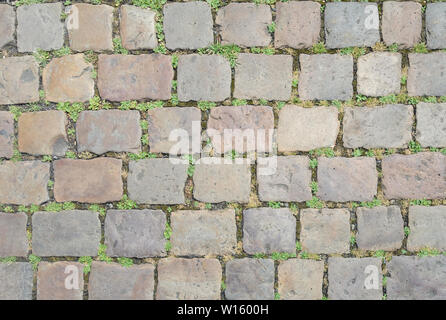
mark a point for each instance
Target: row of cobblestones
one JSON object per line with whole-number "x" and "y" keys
{"x": 353, "y": 105}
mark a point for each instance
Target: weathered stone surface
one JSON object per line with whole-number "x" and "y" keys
{"x": 68, "y": 79}
{"x": 7, "y": 24}
{"x": 417, "y": 278}
{"x": 431, "y": 124}
{"x": 188, "y": 25}
{"x": 13, "y": 237}
{"x": 135, "y": 77}
{"x": 249, "y": 279}
{"x": 347, "y": 179}
{"x": 157, "y": 181}
{"x": 427, "y": 225}
{"x": 108, "y": 130}
{"x": 203, "y": 77}
{"x": 39, "y": 27}
{"x": 379, "y": 74}
{"x": 175, "y": 121}
{"x": 24, "y": 182}
{"x": 188, "y": 279}
{"x": 90, "y": 27}
{"x": 379, "y": 228}
{"x": 305, "y": 129}
{"x": 427, "y": 73}
{"x": 298, "y": 24}
{"x": 348, "y": 277}
{"x": 20, "y": 80}
{"x": 401, "y": 23}
{"x": 218, "y": 182}
{"x": 251, "y": 128}
{"x": 260, "y": 76}
{"x": 69, "y": 233}
{"x": 300, "y": 279}
{"x": 325, "y": 231}
{"x": 17, "y": 281}
{"x": 387, "y": 126}
{"x": 111, "y": 281}
{"x": 203, "y": 232}
{"x": 351, "y": 24}
{"x": 415, "y": 176}
{"x": 52, "y": 280}
{"x": 326, "y": 77}
{"x": 290, "y": 181}
{"x": 6, "y": 134}
{"x": 137, "y": 28}
{"x": 93, "y": 181}
{"x": 435, "y": 25}
{"x": 135, "y": 233}
{"x": 244, "y": 24}
{"x": 43, "y": 133}
{"x": 267, "y": 230}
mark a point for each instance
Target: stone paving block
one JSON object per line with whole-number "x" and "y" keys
{"x": 417, "y": 278}
{"x": 289, "y": 183}
{"x": 108, "y": 130}
{"x": 137, "y": 27}
{"x": 90, "y": 27}
{"x": 24, "y": 182}
{"x": 7, "y": 24}
{"x": 388, "y": 126}
{"x": 203, "y": 232}
{"x": 17, "y": 281}
{"x": 244, "y": 24}
{"x": 249, "y": 279}
{"x": 298, "y": 24}
{"x": 431, "y": 124}
{"x": 111, "y": 281}
{"x": 260, "y": 76}
{"x": 218, "y": 182}
{"x": 39, "y": 27}
{"x": 20, "y": 80}
{"x": 92, "y": 181}
{"x": 379, "y": 74}
{"x": 189, "y": 279}
{"x": 60, "y": 281}
{"x": 179, "y": 122}
{"x": 305, "y": 129}
{"x": 43, "y": 133}
{"x": 203, "y": 77}
{"x": 326, "y": 77}
{"x": 157, "y": 181}
{"x": 427, "y": 225}
{"x": 135, "y": 233}
{"x": 135, "y": 77}
{"x": 380, "y": 228}
{"x": 300, "y": 279}
{"x": 325, "y": 231}
{"x": 415, "y": 176}
{"x": 354, "y": 278}
{"x": 267, "y": 230}
{"x": 68, "y": 233}
{"x": 68, "y": 79}
{"x": 13, "y": 236}
{"x": 401, "y": 23}
{"x": 427, "y": 74}
{"x": 351, "y": 24}
{"x": 251, "y": 128}
{"x": 347, "y": 179}
{"x": 435, "y": 25}
{"x": 6, "y": 134}
{"x": 188, "y": 25}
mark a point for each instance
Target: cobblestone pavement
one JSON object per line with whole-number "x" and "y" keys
{"x": 96, "y": 205}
